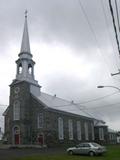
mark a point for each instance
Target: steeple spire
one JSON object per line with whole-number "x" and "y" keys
{"x": 25, "y": 63}
{"x": 25, "y": 46}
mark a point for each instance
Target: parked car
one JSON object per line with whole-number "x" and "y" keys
{"x": 90, "y": 148}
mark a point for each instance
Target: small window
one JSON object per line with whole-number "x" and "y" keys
{"x": 20, "y": 68}
{"x": 81, "y": 145}
{"x": 86, "y": 145}
{"x": 30, "y": 69}
{"x": 16, "y": 130}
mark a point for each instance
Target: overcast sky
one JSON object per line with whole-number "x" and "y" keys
{"x": 74, "y": 47}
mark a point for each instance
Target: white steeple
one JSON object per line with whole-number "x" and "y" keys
{"x": 25, "y": 64}
{"x": 25, "y": 46}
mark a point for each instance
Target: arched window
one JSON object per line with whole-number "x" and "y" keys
{"x": 92, "y": 129}
{"x": 30, "y": 69}
{"x": 20, "y": 68}
{"x": 70, "y": 129}
{"x": 40, "y": 120}
{"x": 101, "y": 134}
{"x": 86, "y": 131}
{"x": 78, "y": 130}
{"x": 16, "y": 110}
{"x": 16, "y": 130}
{"x": 60, "y": 128}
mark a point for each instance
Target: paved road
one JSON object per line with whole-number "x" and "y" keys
{"x": 10, "y": 154}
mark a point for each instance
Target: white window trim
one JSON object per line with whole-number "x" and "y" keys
{"x": 101, "y": 134}
{"x": 86, "y": 131}
{"x": 92, "y": 130}
{"x": 40, "y": 118}
{"x": 79, "y": 130}
{"x": 16, "y": 110}
{"x": 70, "y": 129}
{"x": 60, "y": 128}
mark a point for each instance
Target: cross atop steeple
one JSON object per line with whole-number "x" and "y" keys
{"x": 25, "y": 46}
{"x": 26, "y": 12}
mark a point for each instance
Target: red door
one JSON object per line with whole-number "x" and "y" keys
{"x": 40, "y": 139}
{"x": 17, "y": 139}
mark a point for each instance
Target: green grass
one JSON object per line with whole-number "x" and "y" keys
{"x": 113, "y": 153}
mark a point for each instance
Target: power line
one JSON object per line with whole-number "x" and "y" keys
{"x": 103, "y": 106}
{"x": 95, "y": 37}
{"x": 3, "y": 105}
{"x": 96, "y": 99}
{"x": 99, "y": 98}
{"x": 117, "y": 14}
{"x": 114, "y": 25}
{"x": 108, "y": 31}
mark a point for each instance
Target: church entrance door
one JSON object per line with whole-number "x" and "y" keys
{"x": 40, "y": 139}
{"x": 17, "y": 139}
{"x": 16, "y": 135}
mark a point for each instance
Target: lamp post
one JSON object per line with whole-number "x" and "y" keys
{"x": 109, "y": 86}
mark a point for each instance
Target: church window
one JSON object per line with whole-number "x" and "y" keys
{"x": 60, "y": 128}
{"x": 70, "y": 129}
{"x": 86, "y": 131}
{"x": 30, "y": 69}
{"x": 16, "y": 110}
{"x": 40, "y": 120}
{"x": 101, "y": 134}
{"x": 92, "y": 130}
{"x": 78, "y": 130}
{"x": 16, "y": 130}
{"x": 20, "y": 68}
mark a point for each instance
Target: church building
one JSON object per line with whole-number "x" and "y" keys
{"x": 34, "y": 117}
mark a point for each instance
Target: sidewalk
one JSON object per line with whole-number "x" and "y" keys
{"x": 5, "y": 146}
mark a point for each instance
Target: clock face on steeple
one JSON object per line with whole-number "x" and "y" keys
{"x": 17, "y": 90}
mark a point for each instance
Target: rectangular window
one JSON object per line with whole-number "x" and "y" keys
{"x": 60, "y": 128}
{"x": 86, "y": 131}
{"x": 92, "y": 130}
{"x": 40, "y": 120}
{"x": 101, "y": 134}
{"x": 78, "y": 130}
{"x": 70, "y": 129}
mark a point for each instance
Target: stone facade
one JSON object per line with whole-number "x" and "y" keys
{"x": 29, "y": 132}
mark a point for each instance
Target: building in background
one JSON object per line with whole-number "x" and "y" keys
{"x": 112, "y": 136}
{"x": 1, "y": 134}
{"x": 118, "y": 137}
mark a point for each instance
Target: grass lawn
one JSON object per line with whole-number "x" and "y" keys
{"x": 113, "y": 153}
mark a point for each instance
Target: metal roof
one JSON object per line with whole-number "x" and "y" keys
{"x": 62, "y": 105}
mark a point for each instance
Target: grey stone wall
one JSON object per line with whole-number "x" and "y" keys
{"x": 50, "y": 128}
{"x": 29, "y": 109}
{"x": 23, "y": 97}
